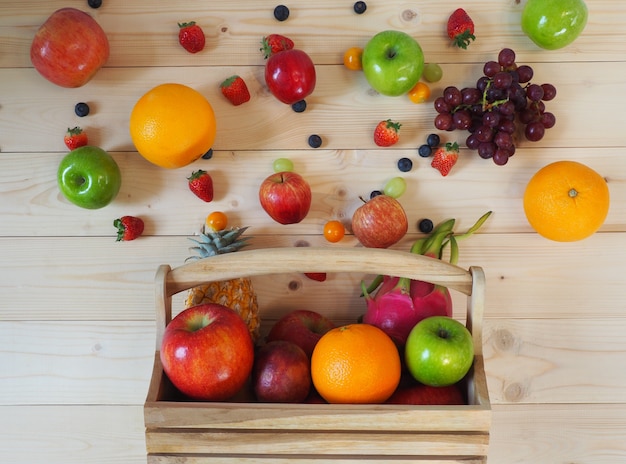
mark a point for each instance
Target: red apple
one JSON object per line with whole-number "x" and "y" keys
{"x": 427, "y": 395}
{"x": 281, "y": 373}
{"x": 302, "y": 327}
{"x": 380, "y": 222}
{"x": 286, "y": 197}
{"x": 207, "y": 352}
{"x": 69, "y": 48}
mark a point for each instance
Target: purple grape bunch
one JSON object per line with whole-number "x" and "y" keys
{"x": 503, "y": 101}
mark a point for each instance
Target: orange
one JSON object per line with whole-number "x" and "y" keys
{"x": 419, "y": 93}
{"x": 352, "y": 58}
{"x": 566, "y": 201}
{"x": 356, "y": 363}
{"x": 172, "y": 125}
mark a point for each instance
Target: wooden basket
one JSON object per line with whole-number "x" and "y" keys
{"x": 179, "y": 431}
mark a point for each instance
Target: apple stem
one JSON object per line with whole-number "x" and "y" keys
{"x": 443, "y": 333}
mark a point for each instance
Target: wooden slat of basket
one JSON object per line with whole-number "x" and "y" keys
{"x": 275, "y": 459}
{"x": 289, "y": 442}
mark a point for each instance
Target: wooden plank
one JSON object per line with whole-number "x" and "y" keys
{"x": 342, "y": 110}
{"x": 234, "y": 31}
{"x": 76, "y": 434}
{"x": 96, "y": 278}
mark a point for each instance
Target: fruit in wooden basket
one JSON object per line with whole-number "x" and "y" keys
{"x": 356, "y": 363}
{"x": 392, "y": 62}
{"x": 172, "y": 125}
{"x": 285, "y": 196}
{"x": 281, "y": 373}
{"x": 89, "y": 177}
{"x": 207, "y": 352}
{"x": 380, "y": 222}
{"x": 428, "y": 395}
{"x": 237, "y": 294}
{"x": 439, "y": 351}
{"x": 566, "y": 201}
{"x": 69, "y": 48}
{"x": 290, "y": 75}
{"x": 302, "y": 327}
{"x": 554, "y": 24}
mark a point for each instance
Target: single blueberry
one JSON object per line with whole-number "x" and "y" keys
{"x": 375, "y": 193}
{"x": 315, "y": 141}
{"x": 433, "y": 140}
{"x": 425, "y": 151}
{"x": 360, "y": 7}
{"x": 405, "y": 164}
{"x": 281, "y": 12}
{"x": 81, "y": 109}
{"x": 425, "y": 226}
{"x": 299, "y": 106}
{"x": 94, "y": 3}
{"x": 208, "y": 155}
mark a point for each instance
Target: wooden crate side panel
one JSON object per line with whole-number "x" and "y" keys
{"x": 274, "y": 459}
{"x": 289, "y": 442}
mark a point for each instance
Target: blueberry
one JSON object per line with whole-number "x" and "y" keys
{"x": 208, "y": 155}
{"x": 405, "y": 164}
{"x": 81, "y": 109}
{"x": 299, "y": 106}
{"x": 94, "y": 3}
{"x": 281, "y": 12}
{"x": 315, "y": 141}
{"x": 425, "y": 226}
{"x": 425, "y": 151}
{"x": 375, "y": 193}
{"x": 433, "y": 140}
{"x": 360, "y": 7}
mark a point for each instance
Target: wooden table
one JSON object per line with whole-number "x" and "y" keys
{"x": 77, "y": 308}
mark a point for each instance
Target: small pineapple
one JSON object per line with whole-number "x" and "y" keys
{"x": 237, "y": 294}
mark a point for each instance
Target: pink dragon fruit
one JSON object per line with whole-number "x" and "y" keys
{"x": 400, "y": 303}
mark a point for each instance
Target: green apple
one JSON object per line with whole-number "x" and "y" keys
{"x": 553, "y": 24}
{"x": 89, "y": 177}
{"x": 392, "y": 62}
{"x": 439, "y": 351}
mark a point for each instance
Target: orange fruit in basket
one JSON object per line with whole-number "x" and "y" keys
{"x": 566, "y": 201}
{"x": 356, "y": 363}
{"x": 172, "y": 125}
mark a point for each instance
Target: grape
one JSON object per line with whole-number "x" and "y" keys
{"x": 441, "y": 106}
{"x": 443, "y": 121}
{"x": 507, "y": 108}
{"x": 282, "y": 165}
{"x": 503, "y": 139}
{"x": 507, "y": 125}
{"x": 486, "y": 150}
{"x": 482, "y": 83}
{"x": 534, "y": 131}
{"x": 491, "y": 119}
{"x": 502, "y": 80}
{"x": 432, "y": 72}
{"x": 534, "y": 92}
{"x": 491, "y": 68}
{"x": 506, "y": 58}
{"x": 470, "y": 96}
{"x": 484, "y": 134}
{"x": 500, "y": 157}
{"x": 549, "y": 91}
{"x": 525, "y": 73}
{"x": 548, "y": 120}
{"x": 395, "y": 187}
{"x": 472, "y": 142}
{"x": 452, "y": 96}
{"x": 462, "y": 119}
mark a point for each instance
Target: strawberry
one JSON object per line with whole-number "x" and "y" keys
{"x": 461, "y": 28}
{"x": 128, "y": 228}
{"x": 319, "y": 276}
{"x": 275, "y": 43}
{"x": 201, "y": 184}
{"x": 386, "y": 133}
{"x": 235, "y": 89}
{"x": 75, "y": 138}
{"x": 445, "y": 157}
{"x": 191, "y": 36}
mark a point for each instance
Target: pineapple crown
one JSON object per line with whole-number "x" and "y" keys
{"x": 212, "y": 242}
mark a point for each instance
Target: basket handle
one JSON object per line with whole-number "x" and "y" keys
{"x": 310, "y": 259}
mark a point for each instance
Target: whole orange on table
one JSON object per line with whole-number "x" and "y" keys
{"x": 172, "y": 125}
{"x": 566, "y": 201}
{"x": 355, "y": 363}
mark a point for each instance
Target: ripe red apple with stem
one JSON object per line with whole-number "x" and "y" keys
{"x": 290, "y": 75}
{"x": 285, "y": 196}
{"x": 69, "y": 48}
{"x": 302, "y": 327}
{"x": 380, "y": 222}
{"x": 207, "y": 352}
